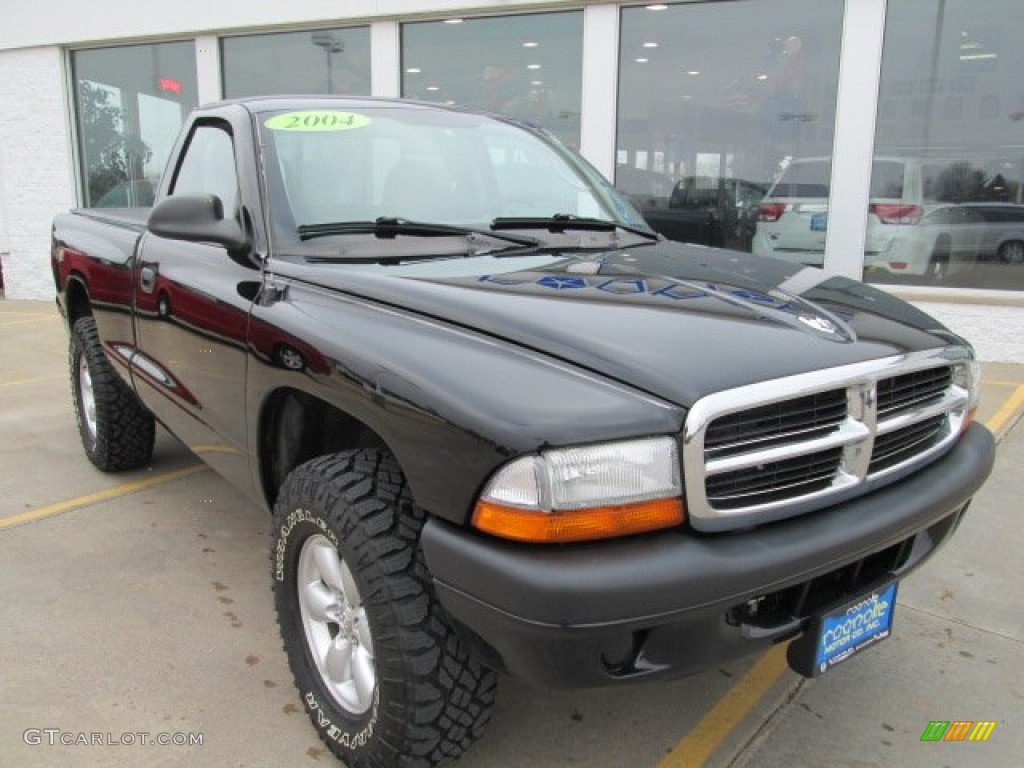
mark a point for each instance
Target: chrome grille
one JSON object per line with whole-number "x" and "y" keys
{"x": 773, "y": 481}
{"x": 791, "y": 445}
{"x": 815, "y": 414}
{"x": 912, "y": 390}
{"x": 896, "y": 447}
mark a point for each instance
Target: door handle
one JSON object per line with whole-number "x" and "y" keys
{"x": 147, "y": 279}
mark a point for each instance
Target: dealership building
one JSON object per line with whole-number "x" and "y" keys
{"x": 880, "y": 139}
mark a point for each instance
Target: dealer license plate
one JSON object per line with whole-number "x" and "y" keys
{"x": 819, "y": 222}
{"x": 842, "y": 632}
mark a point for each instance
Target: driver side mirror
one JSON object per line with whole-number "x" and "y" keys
{"x": 197, "y": 219}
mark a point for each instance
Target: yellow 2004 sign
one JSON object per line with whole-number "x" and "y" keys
{"x": 317, "y": 121}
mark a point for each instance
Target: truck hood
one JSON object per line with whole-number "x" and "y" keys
{"x": 674, "y": 320}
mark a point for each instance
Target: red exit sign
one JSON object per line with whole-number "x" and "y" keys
{"x": 167, "y": 84}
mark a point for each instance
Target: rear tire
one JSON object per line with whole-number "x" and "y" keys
{"x": 384, "y": 678}
{"x": 116, "y": 429}
{"x": 938, "y": 264}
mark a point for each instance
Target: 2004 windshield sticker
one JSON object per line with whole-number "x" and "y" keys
{"x": 323, "y": 120}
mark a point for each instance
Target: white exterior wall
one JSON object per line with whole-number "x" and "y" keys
{"x": 36, "y": 179}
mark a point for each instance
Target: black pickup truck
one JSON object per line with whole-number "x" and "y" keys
{"x": 501, "y": 425}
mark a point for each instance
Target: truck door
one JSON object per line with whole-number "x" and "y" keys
{"x": 192, "y": 313}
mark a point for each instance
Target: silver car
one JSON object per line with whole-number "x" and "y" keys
{"x": 1003, "y": 236}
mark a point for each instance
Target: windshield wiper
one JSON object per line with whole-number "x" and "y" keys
{"x": 561, "y": 222}
{"x": 388, "y": 227}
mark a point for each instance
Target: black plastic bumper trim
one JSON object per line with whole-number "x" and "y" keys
{"x": 660, "y": 577}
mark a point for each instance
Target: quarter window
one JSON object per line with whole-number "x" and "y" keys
{"x": 208, "y": 167}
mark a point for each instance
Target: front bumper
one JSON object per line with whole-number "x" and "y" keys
{"x": 672, "y": 603}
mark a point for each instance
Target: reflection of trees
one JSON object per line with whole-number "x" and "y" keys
{"x": 958, "y": 183}
{"x": 110, "y": 155}
{"x": 965, "y": 182}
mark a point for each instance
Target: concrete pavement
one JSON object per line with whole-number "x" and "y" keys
{"x": 956, "y": 654}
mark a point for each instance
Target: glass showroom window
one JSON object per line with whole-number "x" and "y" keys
{"x": 946, "y": 199}
{"x": 130, "y": 102}
{"x": 529, "y": 67}
{"x": 726, "y": 116}
{"x": 317, "y": 61}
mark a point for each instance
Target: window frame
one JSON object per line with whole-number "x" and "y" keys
{"x": 74, "y": 134}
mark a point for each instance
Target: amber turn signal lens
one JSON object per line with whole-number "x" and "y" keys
{"x": 968, "y": 420}
{"x": 579, "y": 524}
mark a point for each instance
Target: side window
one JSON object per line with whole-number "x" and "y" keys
{"x": 208, "y": 167}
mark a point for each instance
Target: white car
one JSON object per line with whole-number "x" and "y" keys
{"x": 945, "y": 240}
{"x": 793, "y": 216}
{"x": 909, "y": 232}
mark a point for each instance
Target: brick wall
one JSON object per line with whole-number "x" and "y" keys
{"x": 35, "y": 167}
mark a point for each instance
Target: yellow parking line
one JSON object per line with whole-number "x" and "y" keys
{"x": 1000, "y": 383}
{"x": 699, "y": 744}
{"x": 39, "y": 319}
{"x": 1007, "y": 411}
{"x": 713, "y": 729}
{"x": 92, "y": 498}
{"x": 38, "y": 379}
{"x": 203, "y": 448}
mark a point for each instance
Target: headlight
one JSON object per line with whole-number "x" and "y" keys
{"x": 967, "y": 376}
{"x": 590, "y": 492}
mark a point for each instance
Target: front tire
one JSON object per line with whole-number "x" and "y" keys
{"x": 116, "y": 429}
{"x": 385, "y": 679}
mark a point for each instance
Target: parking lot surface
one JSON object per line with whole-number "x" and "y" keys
{"x": 139, "y": 603}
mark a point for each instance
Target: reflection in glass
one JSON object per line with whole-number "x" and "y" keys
{"x": 949, "y": 131}
{"x": 529, "y": 67}
{"x": 130, "y": 102}
{"x": 716, "y": 101}
{"x": 317, "y": 61}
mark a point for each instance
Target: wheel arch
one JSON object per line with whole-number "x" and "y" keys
{"x": 295, "y": 427}
{"x": 76, "y": 298}
{"x": 943, "y": 244}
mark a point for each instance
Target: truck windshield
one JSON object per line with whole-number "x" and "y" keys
{"x": 425, "y": 164}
